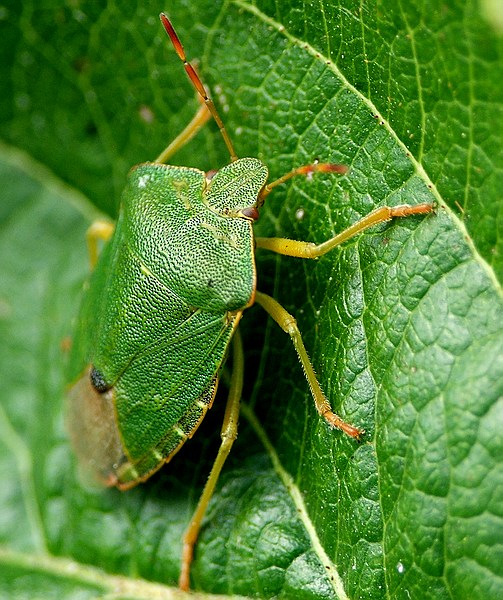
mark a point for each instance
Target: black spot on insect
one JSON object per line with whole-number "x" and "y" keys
{"x": 98, "y": 381}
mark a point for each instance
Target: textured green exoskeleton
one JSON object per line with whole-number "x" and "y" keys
{"x": 159, "y": 312}
{"x": 163, "y": 304}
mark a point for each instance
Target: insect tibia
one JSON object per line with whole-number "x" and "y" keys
{"x": 322, "y": 405}
{"x": 288, "y": 323}
{"x": 306, "y": 170}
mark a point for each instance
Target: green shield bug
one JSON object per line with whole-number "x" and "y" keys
{"x": 163, "y": 305}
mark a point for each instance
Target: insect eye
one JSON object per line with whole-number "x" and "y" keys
{"x": 210, "y": 174}
{"x": 251, "y": 212}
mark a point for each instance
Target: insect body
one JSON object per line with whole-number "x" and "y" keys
{"x": 163, "y": 304}
{"x": 178, "y": 272}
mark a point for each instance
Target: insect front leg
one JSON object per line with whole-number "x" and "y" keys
{"x": 99, "y": 231}
{"x": 200, "y": 119}
{"x": 302, "y": 249}
{"x": 287, "y": 322}
{"x": 228, "y": 435}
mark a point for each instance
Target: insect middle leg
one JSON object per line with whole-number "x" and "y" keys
{"x": 288, "y": 323}
{"x": 228, "y": 435}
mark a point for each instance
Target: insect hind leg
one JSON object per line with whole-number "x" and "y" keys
{"x": 228, "y": 435}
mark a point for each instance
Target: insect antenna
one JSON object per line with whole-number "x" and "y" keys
{"x": 197, "y": 83}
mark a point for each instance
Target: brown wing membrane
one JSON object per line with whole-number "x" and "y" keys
{"x": 93, "y": 430}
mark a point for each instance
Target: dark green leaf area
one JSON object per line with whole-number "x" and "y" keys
{"x": 436, "y": 417}
{"x": 94, "y": 90}
{"x": 435, "y": 76}
{"x": 255, "y": 540}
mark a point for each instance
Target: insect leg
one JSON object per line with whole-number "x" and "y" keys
{"x": 310, "y": 250}
{"x": 228, "y": 435}
{"x": 99, "y": 231}
{"x": 201, "y": 117}
{"x": 287, "y": 322}
{"x": 315, "y": 167}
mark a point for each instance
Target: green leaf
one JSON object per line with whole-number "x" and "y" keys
{"x": 403, "y": 324}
